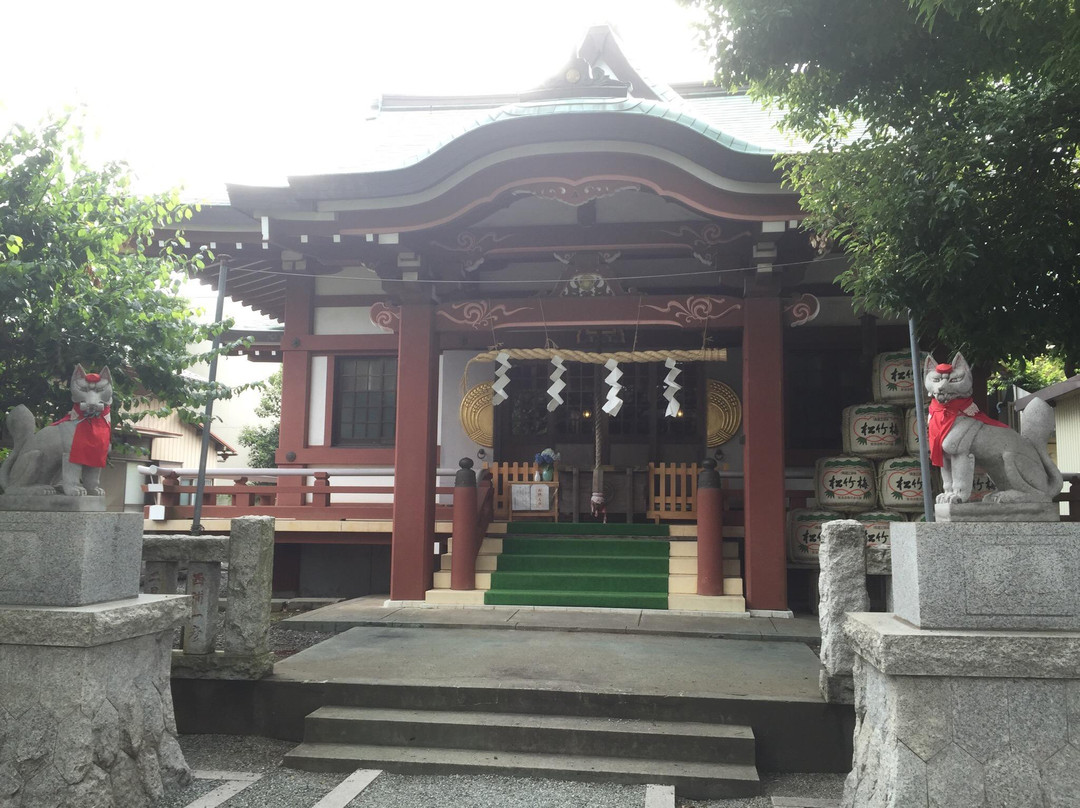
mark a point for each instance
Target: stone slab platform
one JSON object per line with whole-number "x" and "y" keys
{"x": 987, "y": 575}
{"x": 994, "y": 512}
{"x": 69, "y": 559}
{"x": 92, "y": 625}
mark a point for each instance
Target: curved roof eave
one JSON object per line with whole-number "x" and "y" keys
{"x": 644, "y": 122}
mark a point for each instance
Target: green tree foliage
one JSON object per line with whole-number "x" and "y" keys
{"x": 83, "y": 280}
{"x": 262, "y": 441}
{"x": 945, "y": 138}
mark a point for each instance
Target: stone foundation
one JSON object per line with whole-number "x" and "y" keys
{"x": 86, "y": 715}
{"x": 963, "y": 719}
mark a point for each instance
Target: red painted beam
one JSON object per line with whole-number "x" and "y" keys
{"x": 763, "y": 454}
{"x": 411, "y": 553}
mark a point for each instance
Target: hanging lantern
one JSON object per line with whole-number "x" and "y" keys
{"x": 557, "y": 384}
{"x": 672, "y": 387}
{"x": 498, "y": 387}
{"x": 613, "y": 403}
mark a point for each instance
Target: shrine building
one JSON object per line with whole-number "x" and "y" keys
{"x": 605, "y": 266}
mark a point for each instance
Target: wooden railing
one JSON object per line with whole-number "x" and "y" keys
{"x": 672, "y": 492}
{"x": 282, "y": 493}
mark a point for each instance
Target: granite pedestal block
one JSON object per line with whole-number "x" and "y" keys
{"x": 55, "y": 503}
{"x": 86, "y": 708}
{"x": 987, "y": 575}
{"x": 69, "y": 559}
{"x": 963, "y": 718}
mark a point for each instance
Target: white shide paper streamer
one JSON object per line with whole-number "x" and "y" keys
{"x": 671, "y": 387}
{"x": 557, "y": 383}
{"x": 498, "y": 387}
{"x": 613, "y": 403}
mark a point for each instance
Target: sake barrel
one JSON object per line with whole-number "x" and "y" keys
{"x": 874, "y": 430}
{"x": 900, "y": 484}
{"x": 845, "y": 483}
{"x": 877, "y": 525}
{"x": 804, "y": 533}
{"x": 894, "y": 381}
{"x": 911, "y": 432}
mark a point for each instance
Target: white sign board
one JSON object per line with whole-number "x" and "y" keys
{"x": 530, "y": 497}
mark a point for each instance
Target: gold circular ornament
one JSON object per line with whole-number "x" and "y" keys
{"x": 477, "y": 416}
{"x": 573, "y": 75}
{"x": 725, "y": 414}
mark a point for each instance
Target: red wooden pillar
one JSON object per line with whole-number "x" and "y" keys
{"x": 411, "y": 552}
{"x": 710, "y": 541}
{"x": 466, "y": 535}
{"x": 763, "y": 454}
{"x": 295, "y": 379}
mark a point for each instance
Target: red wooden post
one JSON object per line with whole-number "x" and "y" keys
{"x": 320, "y": 499}
{"x": 412, "y": 559}
{"x": 763, "y": 465}
{"x": 466, "y": 535}
{"x": 710, "y": 540}
{"x": 244, "y": 499}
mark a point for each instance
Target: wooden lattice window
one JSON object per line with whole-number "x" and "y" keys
{"x": 365, "y": 400}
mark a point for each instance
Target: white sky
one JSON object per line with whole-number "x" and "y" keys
{"x": 198, "y": 93}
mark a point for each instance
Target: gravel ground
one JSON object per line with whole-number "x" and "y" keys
{"x": 283, "y": 641}
{"x": 285, "y": 788}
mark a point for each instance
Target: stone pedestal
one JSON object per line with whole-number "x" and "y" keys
{"x": 961, "y": 716}
{"x": 86, "y": 714}
{"x": 69, "y": 559}
{"x": 999, "y": 575}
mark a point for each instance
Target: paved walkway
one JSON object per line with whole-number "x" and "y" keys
{"x": 581, "y": 661}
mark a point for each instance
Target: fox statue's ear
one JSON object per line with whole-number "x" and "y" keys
{"x": 78, "y": 373}
{"x": 959, "y": 362}
{"x": 928, "y": 364}
{"x": 106, "y": 375}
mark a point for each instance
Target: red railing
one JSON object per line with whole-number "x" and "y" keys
{"x": 283, "y": 493}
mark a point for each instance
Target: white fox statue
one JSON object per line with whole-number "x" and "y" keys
{"x": 961, "y": 437}
{"x": 68, "y": 456}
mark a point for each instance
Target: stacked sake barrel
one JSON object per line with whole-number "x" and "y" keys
{"x": 877, "y": 480}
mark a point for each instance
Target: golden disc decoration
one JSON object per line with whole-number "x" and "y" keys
{"x": 477, "y": 416}
{"x": 725, "y": 414}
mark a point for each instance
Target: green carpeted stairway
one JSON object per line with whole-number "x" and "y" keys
{"x": 609, "y": 566}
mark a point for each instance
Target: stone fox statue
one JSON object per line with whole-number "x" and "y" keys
{"x": 69, "y": 454}
{"x": 961, "y": 437}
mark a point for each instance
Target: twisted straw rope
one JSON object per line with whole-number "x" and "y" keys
{"x": 597, "y": 358}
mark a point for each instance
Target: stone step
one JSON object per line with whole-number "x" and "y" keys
{"x": 483, "y": 580}
{"x": 707, "y": 603}
{"x": 540, "y": 734}
{"x": 484, "y": 563}
{"x": 687, "y": 565}
{"x": 687, "y": 585}
{"x": 692, "y": 780}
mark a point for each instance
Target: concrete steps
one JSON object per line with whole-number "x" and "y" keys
{"x": 702, "y": 761}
